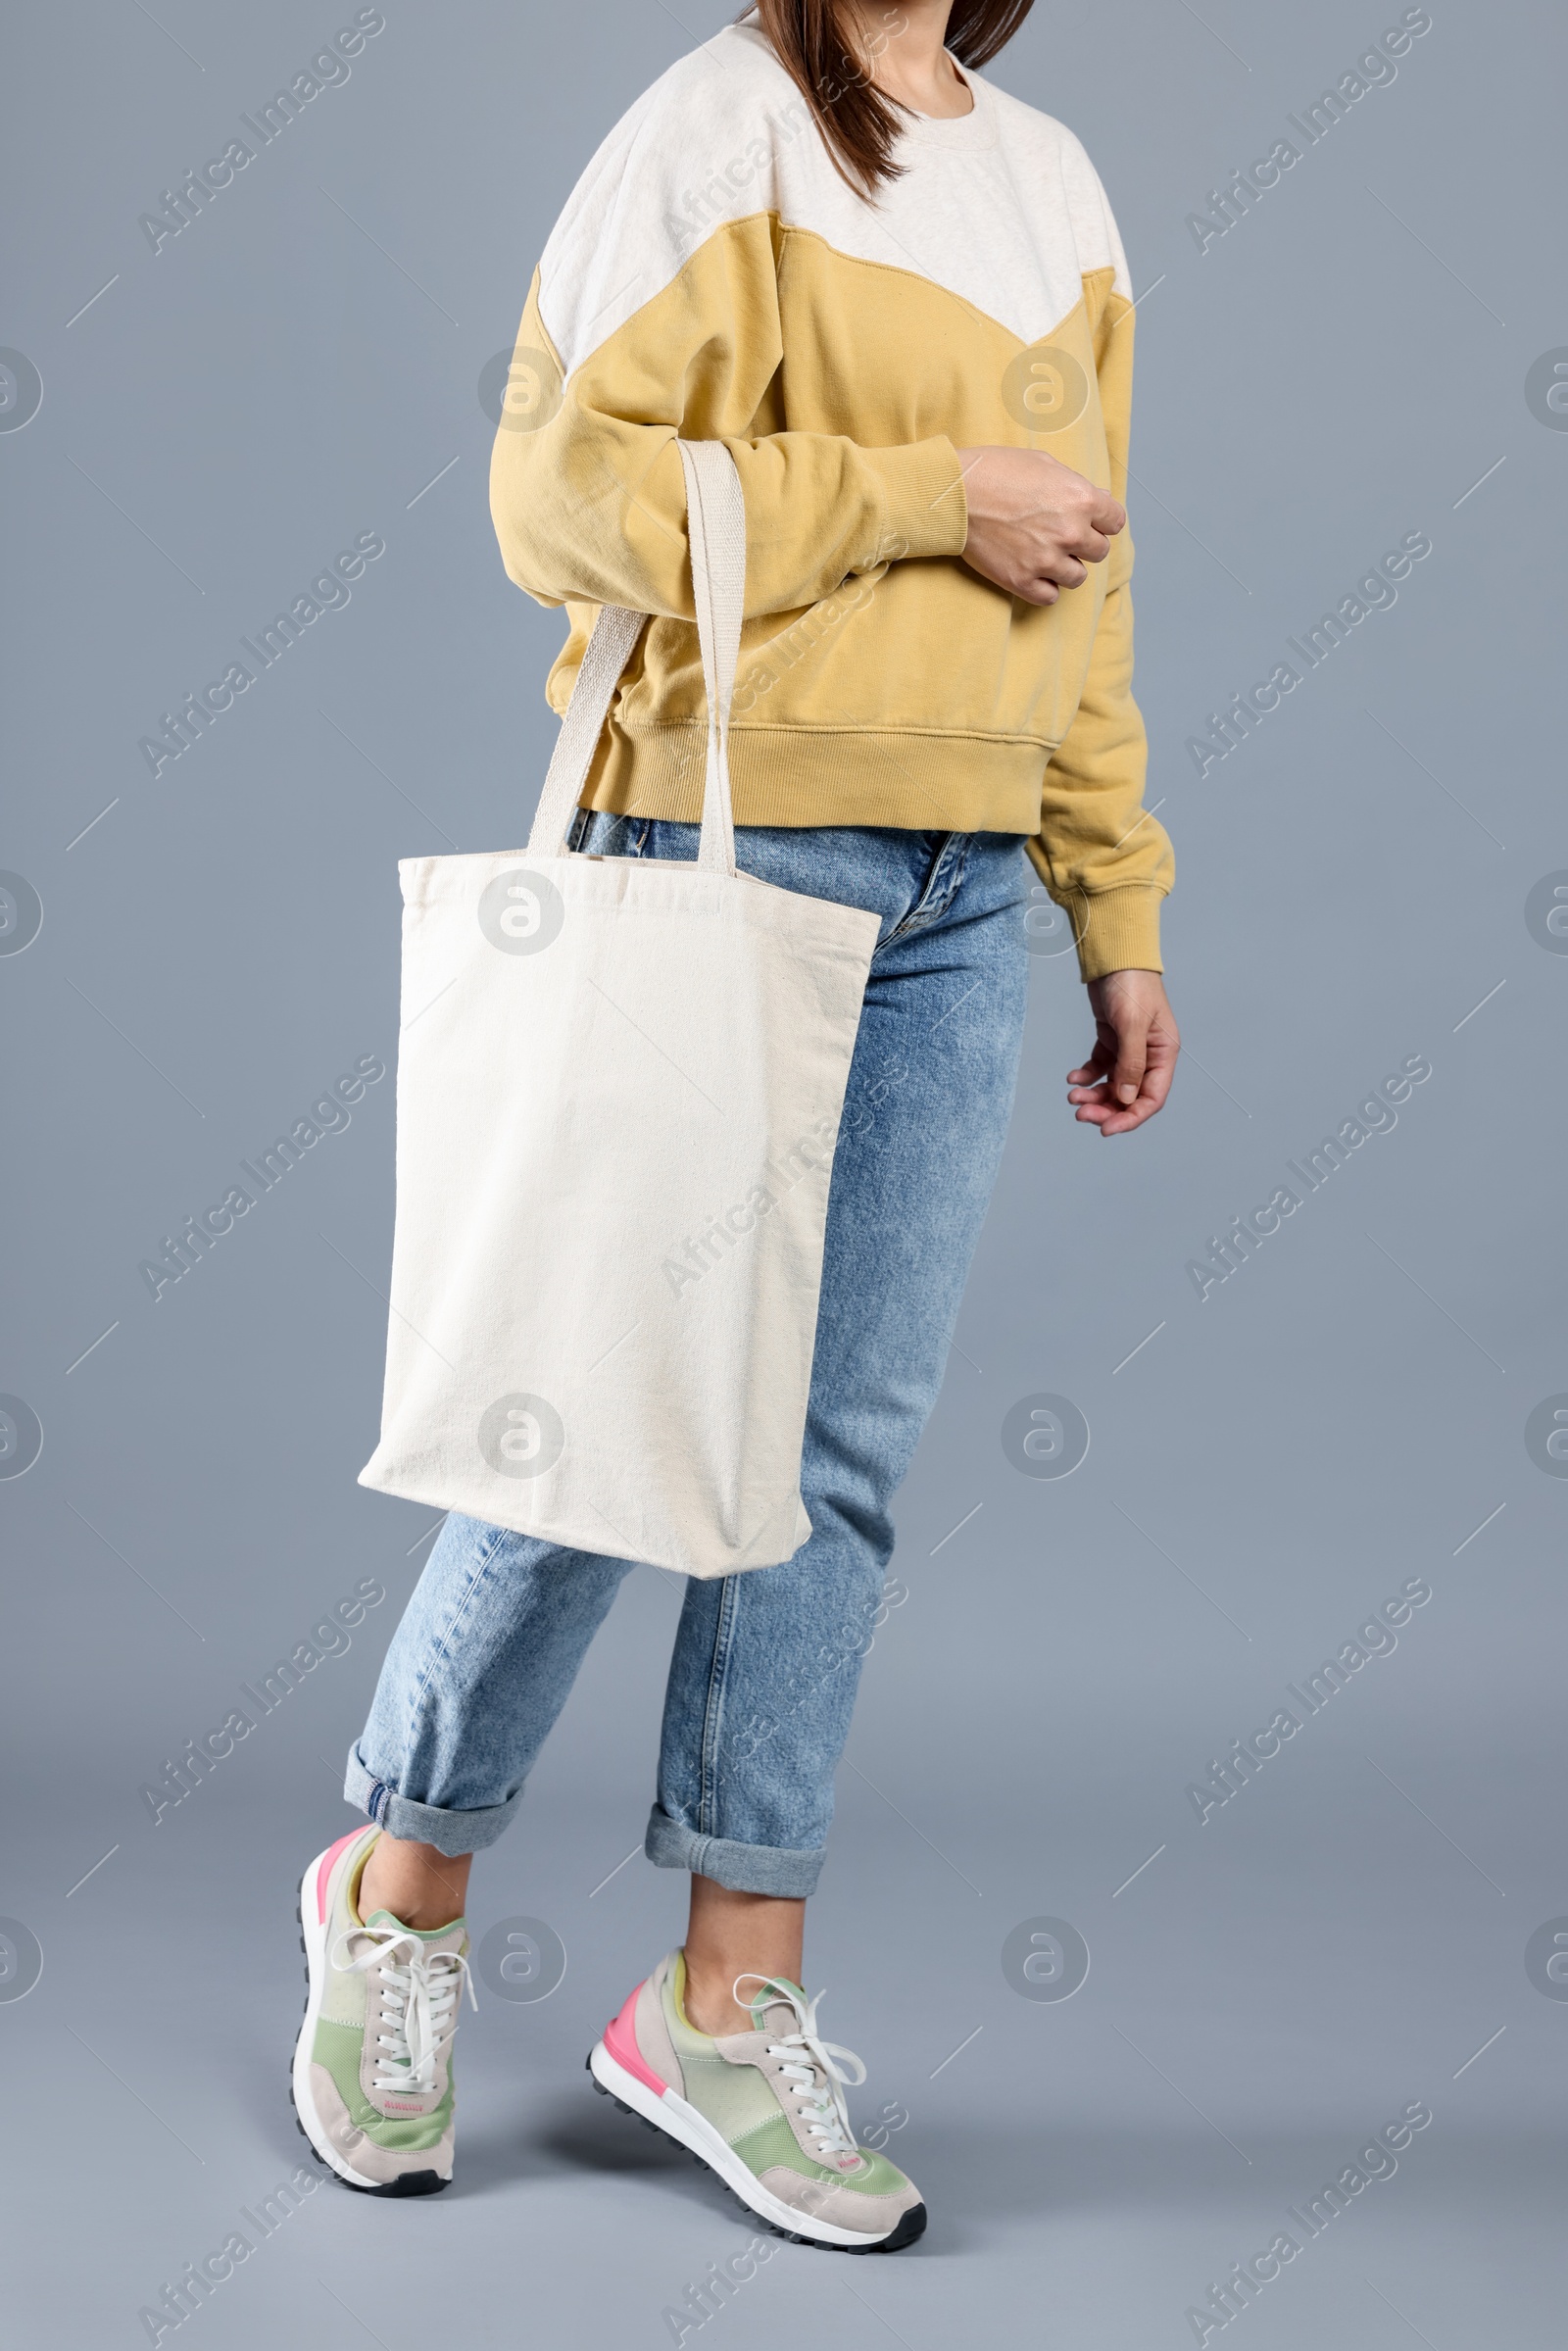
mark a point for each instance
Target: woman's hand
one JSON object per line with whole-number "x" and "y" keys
{"x": 1034, "y": 524}
{"x": 1127, "y": 1077}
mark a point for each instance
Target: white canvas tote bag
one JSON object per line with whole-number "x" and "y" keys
{"x": 619, "y": 1088}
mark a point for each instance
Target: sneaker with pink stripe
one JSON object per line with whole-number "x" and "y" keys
{"x": 763, "y": 2109}
{"x": 373, "y": 2066}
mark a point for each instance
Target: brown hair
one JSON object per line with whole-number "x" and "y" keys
{"x": 858, "y": 122}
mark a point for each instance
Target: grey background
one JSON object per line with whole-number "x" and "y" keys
{"x": 295, "y": 369}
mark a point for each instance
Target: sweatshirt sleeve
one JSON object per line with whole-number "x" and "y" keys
{"x": 1100, "y": 856}
{"x": 586, "y": 487}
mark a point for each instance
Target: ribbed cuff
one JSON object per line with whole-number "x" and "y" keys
{"x": 924, "y": 508}
{"x": 1116, "y": 930}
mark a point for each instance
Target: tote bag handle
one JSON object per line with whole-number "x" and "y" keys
{"x": 715, "y": 528}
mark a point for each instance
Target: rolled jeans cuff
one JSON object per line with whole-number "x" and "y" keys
{"x": 791, "y": 1871}
{"x": 451, "y": 1833}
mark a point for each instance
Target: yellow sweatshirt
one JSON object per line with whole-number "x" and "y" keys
{"x": 714, "y": 278}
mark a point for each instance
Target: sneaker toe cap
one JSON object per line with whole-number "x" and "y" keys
{"x": 869, "y": 2214}
{"x": 386, "y": 2166}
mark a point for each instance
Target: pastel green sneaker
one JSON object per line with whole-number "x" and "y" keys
{"x": 763, "y": 2109}
{"x": 372, "y": 2065}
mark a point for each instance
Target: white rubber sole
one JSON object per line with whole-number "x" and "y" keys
{"x": 679, "y": 2120}
{"x": 313, "y": 1935}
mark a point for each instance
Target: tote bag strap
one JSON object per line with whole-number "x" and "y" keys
{"x": 716, "y": 533}
{"x": 614, "y": 633}
{"x": 715, "y": 527}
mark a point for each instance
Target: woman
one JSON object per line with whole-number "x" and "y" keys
{"x": 898, "y": 297}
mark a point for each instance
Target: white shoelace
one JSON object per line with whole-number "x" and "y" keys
{"x": 419, "y": 2000}
{"x": 805, "y": 2057}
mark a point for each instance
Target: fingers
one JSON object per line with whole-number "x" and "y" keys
{"x": 1093, "y": 1073}
{"x": 1053, "y": 572}
{"x": 1064, "y": 531}
{"x": 1156, "y": 1085}
{"x": 1103, "y": 1104}
{"x": 1113, "y": 1121}
{"x": 1108, "y": 514}
{"x": 1099, "y": 1107}
{"x": 1045, "y": 585}
{"x": 1127, "y": 1078}
{"x": 1040, "y": 544}
{"x": 1102, "y": 1058}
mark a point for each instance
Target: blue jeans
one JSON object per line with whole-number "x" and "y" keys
{"x": 766, "y": 1663}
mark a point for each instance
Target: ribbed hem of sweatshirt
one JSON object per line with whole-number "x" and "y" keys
{"x": 926, "y": 509}
{"x": 791, "y": 775}
{"x": 1115, "y": 930}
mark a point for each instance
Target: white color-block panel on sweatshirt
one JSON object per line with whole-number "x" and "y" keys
{"x": 1000, "y": 207}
